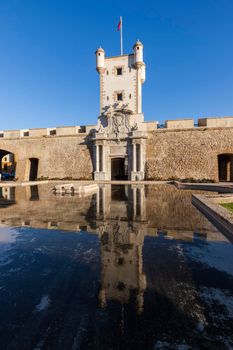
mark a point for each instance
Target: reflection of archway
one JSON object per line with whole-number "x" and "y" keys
{"x": 225, "y": 167}
{"x": 7, "y": 165}
{"x": 34, "y": 162}
{"x": 118, "y": 169}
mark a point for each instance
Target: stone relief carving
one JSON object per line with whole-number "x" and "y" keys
{"x": 116, "y": 121}
{"x": 134, "y": 127}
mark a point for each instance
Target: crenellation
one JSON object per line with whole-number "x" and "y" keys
{"x": 179, "y": 124}
{"x": 215, "y": 122}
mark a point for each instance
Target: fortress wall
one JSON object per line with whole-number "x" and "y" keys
{"x": 187, "y": 153}
{"x": 179, "y": 124}
{"x": 216, "y": 122}
{"x": 59, "y": 157}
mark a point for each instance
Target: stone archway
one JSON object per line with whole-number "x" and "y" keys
{"x": 33, "y": 172}
{"x": 7, "y": 165}
{"x": 225, "y": 167}
{"x": 118, "y": 171}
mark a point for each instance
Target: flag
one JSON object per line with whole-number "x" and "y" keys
{"x": 119, "y": 26}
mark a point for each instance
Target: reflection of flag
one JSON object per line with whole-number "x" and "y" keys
{"x": 119, "y": 25}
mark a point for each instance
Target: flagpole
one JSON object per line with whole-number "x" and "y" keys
{"x": 121, "y": 37}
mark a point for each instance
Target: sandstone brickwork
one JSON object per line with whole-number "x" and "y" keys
{"x": 170, "y": 154}
{"x": 59, "y": 157}
{"x": 186, "y": 153}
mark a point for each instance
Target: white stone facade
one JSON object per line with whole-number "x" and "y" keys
{"x": 120, "y": 140}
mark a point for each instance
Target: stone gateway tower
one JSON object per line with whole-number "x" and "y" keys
{"x": 120, "y": 139}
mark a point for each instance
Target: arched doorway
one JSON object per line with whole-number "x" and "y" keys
{"x": 118, "y": 169}
{"x": 7, "y": 165}
{"x": 225, "y": 167}
{"x": 33, "y": 173}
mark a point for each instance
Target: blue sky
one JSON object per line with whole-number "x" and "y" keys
{"x": 47, "y": 61}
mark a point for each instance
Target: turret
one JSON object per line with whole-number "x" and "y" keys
{"x": 100, "y": 60}
{"x": 138, "y": 54}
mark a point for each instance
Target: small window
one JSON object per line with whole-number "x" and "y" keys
{"x": 119, "y": 71}
{"x": 119, "y": 97}
{"x": 82, "y": 129}
{"x": 1, "y": 134}
{"x": 26, "y": 133}
{"x": 107, "y": 98}
{"x": 137, "y": 47}
{"x": 99, "y": 53}
{"x": 130, "y": 69}
{"x": 107, "y": 72}
{"x": 52, "y": 132}
{"x": 130, "y": 95}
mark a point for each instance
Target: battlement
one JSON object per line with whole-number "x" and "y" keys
{"x": 47, "y": 132}
{"x": 213, "y": 122}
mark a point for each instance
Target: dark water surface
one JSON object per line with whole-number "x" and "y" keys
{"x": 123, "y": 267}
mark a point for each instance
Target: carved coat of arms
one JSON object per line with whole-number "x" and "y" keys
{"x": 118, "y": 123}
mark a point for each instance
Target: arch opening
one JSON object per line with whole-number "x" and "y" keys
{"x": 33, "y": 171}
{"x": 7, "y": 165}
{"x": 118, "y": 169}
{"x": 225, "y": 167}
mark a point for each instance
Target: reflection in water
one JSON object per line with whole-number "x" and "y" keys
{"x": 7, "y": 196}
{"x": 120, "y": 223}
{"x": 125, "y": 267}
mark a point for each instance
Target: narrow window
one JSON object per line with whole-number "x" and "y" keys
{"x": 119, "y": 71}
{"x": 119, "y": 97}
{"x": 107, "y": 98}
{"x": 107, "y": 72}
{"x": 130, "y": 96}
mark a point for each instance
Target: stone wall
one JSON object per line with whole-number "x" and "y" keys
{"x": 186, "y": 153}
{"x": 59, "y": 157}
{"x": 170, "y": 153}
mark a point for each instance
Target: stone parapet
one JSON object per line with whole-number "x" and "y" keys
{"x": 170, "y": 125}
{"x": 216, "y": 122}
{"x": 179, "y": 124}
{"x": 46, "y": 132}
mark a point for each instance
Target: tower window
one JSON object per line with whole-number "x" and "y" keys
{"x": 119, "y": 71}
{"x": 137, "y": 47}
{"x": 119, "y": 97}
{"x": 99, "y": 54}
{"x": 130, "y": 95}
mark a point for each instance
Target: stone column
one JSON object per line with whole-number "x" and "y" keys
{"x": 103, "y": 157}
{"x": 97, "y": 158}
{"x": 134, "y": 157}
{"x": 98, "y": 202}
{"x": 134, "y": 202}
{"x": 141, "y": 157}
